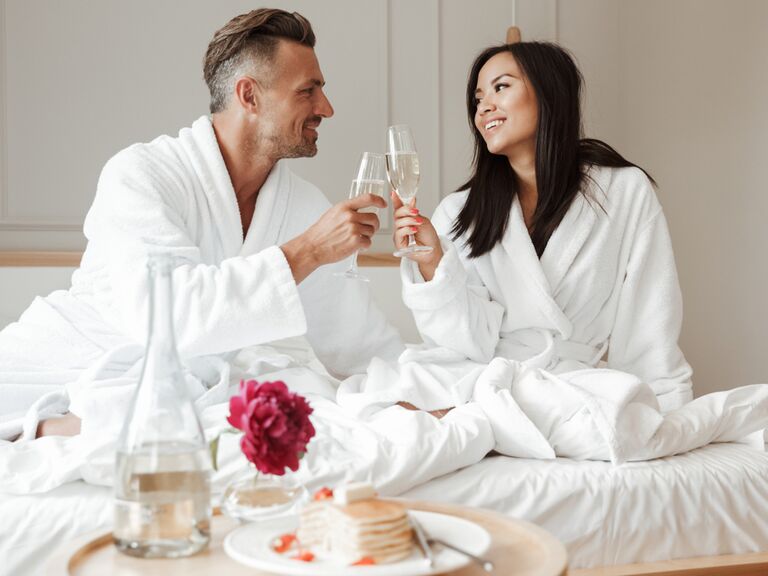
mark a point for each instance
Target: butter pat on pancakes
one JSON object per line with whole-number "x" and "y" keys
{"x": 354, "y": 525}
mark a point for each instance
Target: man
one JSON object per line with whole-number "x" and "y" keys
{"x": 250, "y": 239}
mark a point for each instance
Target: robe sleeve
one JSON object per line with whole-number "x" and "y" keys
{"x": 454, "y": 309}
{"x": 644, "y": 339}
{"x": 344, "y": 326}
{"x": 238, "y": 302}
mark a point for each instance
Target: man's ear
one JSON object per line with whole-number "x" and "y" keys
{"x": 247, "y": 93}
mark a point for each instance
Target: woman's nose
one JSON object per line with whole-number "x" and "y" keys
{"x": 485, "y": 105}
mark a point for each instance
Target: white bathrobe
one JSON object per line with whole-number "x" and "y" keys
{"x": 606, "y": 282}
{"x": 175, "y": 196}
{"x": 574, "y": 354}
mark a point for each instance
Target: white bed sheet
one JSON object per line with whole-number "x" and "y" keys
{"x": 710, "y": 501}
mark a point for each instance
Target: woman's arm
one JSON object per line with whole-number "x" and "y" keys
{"x": 451, "y": 306}
{"x": 644, "y": 339}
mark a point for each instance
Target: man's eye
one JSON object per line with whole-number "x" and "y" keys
{"x": 309, "y": 91}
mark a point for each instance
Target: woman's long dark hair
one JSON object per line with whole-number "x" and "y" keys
{"x": 562, "y": 155}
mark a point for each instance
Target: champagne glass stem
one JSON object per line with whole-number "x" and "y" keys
{"x": 353, "y": 264}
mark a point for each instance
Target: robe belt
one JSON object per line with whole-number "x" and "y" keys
{"x": 539, "y": 348}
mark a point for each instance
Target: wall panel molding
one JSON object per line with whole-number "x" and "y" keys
{"x": 20, "y": 226}
{"x": 3, "y": 112}
{"x": 9, "y": 223}
{"x": 31, "y": 259}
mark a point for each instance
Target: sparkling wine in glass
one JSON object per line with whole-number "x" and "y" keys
{"x": 403, "y": 174}
{"x": 370, "y": 178}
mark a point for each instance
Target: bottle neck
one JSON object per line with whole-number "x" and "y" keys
{"x": 161, "y": 337}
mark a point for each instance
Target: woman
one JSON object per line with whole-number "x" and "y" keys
{"x": 556, "y": 251}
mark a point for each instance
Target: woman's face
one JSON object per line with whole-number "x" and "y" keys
{"x": 507, "y": 110}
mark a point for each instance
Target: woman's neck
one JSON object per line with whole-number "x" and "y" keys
{"x": 524, "y": 166}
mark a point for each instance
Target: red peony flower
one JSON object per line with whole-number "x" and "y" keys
{"x": 276, "y": 425}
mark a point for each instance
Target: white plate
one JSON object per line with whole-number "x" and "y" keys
{"x": 251, "y": 545}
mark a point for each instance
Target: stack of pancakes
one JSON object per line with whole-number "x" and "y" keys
{"x": 371, "y": 528}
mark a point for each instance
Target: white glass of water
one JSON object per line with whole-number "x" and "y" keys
{"x": 370, "y": 178}
{"x": 403, "y": 173}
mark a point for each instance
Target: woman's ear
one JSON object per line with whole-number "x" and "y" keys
{"x": 247, "y": 93}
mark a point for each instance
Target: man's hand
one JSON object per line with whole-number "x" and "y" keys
{"x": 340, "y": 232}
{"x": 67, "y": 425}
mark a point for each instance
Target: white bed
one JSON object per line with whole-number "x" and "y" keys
{"x": 708, "y": 502}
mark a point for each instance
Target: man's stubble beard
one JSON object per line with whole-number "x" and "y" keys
{"x": 281, "y": 147}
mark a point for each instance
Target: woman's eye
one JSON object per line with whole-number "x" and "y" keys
{"x": 500, "y": 86}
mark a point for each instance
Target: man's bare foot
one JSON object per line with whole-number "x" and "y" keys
{"x": 67, "y": 425}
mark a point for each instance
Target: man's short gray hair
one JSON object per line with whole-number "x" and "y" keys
{"x": 247, "y": 41}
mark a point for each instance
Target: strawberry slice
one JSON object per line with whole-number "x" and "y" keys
{"x": 304, "y": 556}
{"x": 365, "y": 561}
{"x": 323, "y": 494}
{"x": 284, "y": 543}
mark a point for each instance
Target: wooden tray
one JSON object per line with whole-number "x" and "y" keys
{"x": 517, "y": 549}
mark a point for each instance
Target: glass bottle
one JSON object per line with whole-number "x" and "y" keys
{"x": 163, "y": 466}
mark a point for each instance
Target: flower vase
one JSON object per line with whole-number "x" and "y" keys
{"x": 253, "y": 495}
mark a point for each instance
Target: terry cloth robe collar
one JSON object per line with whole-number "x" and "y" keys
{"x": 200, "y": 143}
{"x": 271, "y": 210}
{"x": 543, "y": 276}
{"x": 568, "y": 238}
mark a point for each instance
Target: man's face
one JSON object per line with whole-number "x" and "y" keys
{"x": 294, "y": 104}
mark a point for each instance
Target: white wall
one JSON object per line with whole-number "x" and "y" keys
{"x": 678, "y": 86}
{"x": 694, "y": 105}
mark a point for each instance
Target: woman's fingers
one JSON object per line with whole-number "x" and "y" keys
{"x": 401, "y": 236}
{"x": 410, "y": 222}
{"x": 406, "y": 211}
{"x": 396, "y": 202}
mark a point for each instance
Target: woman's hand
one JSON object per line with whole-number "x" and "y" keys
{"x": 409, "y": 221}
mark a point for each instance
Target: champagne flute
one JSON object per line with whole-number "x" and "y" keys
{"x": 403, "y": 173}
{"x": 370, "y": 178}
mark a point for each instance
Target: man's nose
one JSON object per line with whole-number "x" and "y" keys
{"x": 324, "y": 108}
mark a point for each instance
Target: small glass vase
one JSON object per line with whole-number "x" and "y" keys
{"x": 253, "y": 495}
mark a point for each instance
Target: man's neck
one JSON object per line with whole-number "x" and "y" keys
{"x": 248, "y": 167}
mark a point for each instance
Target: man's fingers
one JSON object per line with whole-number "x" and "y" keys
{"x": 367, "y": 219}
{"x": 366, "y": 201}
{"x": 365, "y": 230}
